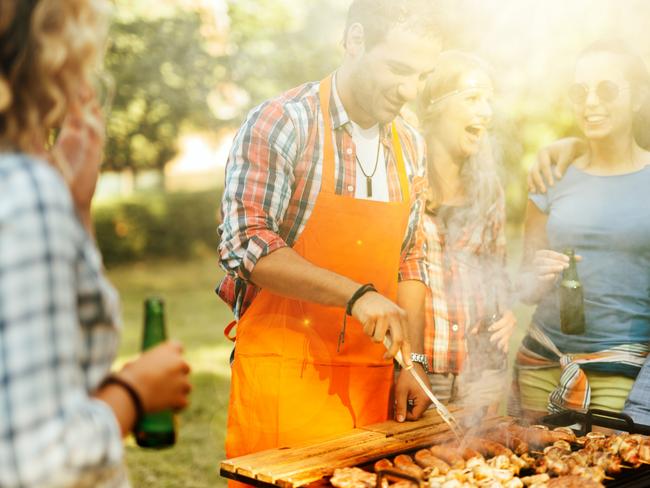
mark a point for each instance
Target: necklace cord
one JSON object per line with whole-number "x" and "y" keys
{"x": 376, "y": 160}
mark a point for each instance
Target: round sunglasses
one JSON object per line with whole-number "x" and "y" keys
{"x": 607, "y": 91}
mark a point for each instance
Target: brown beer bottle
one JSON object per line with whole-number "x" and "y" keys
{"x": 156, "y": 430}
{"x": 572, "y": 307}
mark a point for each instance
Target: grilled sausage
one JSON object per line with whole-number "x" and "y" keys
{"x": 425, "y": 459}
{"x": 406, "y": 464}
{"x": 383, "y": 464}
{"x": 487, "y": 447}
{"x": 449, "y": 454}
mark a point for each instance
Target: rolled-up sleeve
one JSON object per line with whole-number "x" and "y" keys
{"x": 52, "y": 432}
{"x": 259, "y": 179}
{"x": 413, "y": 262}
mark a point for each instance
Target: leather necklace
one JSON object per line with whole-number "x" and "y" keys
{"x": 369, "y": 176}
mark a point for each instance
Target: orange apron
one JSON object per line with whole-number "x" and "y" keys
{"x": 289, "y": 384}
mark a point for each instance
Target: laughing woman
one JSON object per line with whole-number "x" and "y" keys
{"x": 600, "y": 208}
{"x": 468, "y": 323}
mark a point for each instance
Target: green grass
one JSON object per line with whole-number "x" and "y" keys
{"x": 196, "y": 316}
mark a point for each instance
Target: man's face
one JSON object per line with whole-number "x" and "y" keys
{"x": 390, "y": 73}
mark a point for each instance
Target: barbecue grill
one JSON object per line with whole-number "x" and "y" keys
{"x": 313, "y": 463}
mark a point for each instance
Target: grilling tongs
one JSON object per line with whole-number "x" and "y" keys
{"x": 446, "y": 415}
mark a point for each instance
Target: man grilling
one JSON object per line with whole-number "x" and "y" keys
{"x": 322, "y": 241}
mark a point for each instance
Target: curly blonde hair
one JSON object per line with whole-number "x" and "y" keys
{"x": 49, "y": 52}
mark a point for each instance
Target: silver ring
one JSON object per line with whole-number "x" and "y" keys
{"x": 410, "y": 402}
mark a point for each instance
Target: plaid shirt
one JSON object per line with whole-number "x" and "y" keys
{"x": 463, "y": 275}
{"x": 58, "y": 337}
{"x": 273, "y": 178}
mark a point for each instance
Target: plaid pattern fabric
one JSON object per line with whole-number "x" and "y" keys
{"x": 462, "y": 277}
{"x": 273, "y": 178}
{"x": 58, "y": 337}
{"x": 537, "y": 351}
{"x": 637, "y": 404}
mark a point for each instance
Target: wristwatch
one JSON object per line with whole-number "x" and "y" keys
{"x": 420, "y": 359}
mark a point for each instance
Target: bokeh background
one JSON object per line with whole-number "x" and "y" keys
{"x": 185, "y": 73}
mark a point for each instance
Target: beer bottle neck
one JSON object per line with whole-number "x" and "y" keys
{"x": 571, "y": 273}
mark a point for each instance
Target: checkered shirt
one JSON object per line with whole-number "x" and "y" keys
{"x": 58, "y": 337}
{"x": 463, "y": 275}
{"x": 273, "y": 178}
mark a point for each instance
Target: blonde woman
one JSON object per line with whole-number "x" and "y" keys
{"x": 62, "y": 415}
{"x": 468, "y": 321}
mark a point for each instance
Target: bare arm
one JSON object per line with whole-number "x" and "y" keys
{"x": 540, "y": 266}
{"x": 286, "y": 273}
{"x": 411, "y": 295}
{"x": 552, "y": 162}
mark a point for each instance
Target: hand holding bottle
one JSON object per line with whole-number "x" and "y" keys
{"x": 161, "y": 377}
{"x": 548, "y": 265}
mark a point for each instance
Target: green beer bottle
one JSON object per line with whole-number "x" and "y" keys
{"x": 155, "y": 430}
{"x": 572, "y": 307}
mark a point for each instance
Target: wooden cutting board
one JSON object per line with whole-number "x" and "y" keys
{"x": 300, "y": 465}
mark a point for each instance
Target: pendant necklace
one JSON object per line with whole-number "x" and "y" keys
{"x": 369, "y": 176}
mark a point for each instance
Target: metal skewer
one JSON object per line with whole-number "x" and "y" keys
{"x": 446, "y": 415}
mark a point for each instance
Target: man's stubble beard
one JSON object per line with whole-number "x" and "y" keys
{"x": 361, "y": 86}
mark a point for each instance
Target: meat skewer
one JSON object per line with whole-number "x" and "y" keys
{"x": 537, "y": 437}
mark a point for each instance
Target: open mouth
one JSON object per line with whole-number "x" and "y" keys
{"x": 476, "y": 130}
{"x": 595, "y": 119}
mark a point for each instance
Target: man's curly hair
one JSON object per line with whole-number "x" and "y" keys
{"x": 49, "y": 50}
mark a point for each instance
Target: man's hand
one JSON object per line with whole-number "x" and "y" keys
{"x": 410, "y": 401}
{"x": 380, "y": 316}
{"x": 553, "y": 161}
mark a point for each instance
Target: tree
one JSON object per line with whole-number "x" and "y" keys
{"x": 163, "y": 75}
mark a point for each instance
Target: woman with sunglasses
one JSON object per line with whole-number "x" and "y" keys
{"x": 468, "y": 323}
{"x": 600, "y": 208}
{"x": 62, "y": 414}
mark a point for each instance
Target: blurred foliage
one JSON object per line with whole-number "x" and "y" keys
{"x": 185, "y": 65}
{"x": 157, "y": 224}
{"x": 163, "y": 75}
{"x": 174, "y": 71}
{"x": 275, "y": 45}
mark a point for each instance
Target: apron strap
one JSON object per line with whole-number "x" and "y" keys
{"x": 401, "y": 167}
{"x": 228, "y": 329}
